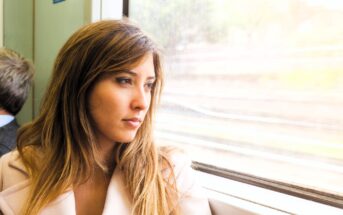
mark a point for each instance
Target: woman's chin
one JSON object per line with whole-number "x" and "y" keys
{"x": 126, "y": 139}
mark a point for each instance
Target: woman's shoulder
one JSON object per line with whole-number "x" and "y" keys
{"x": 9, "y": 155}
{"x": 175, "y": 160}
{"x": 12, "y": 159}
{"x": 9, "y": 159}
{"x": 193, "y": 199}
{"x": 178, "y": 158}
{"x": 179, "y": 166}
{"x": 12, "y": 170}
{"x": 14, "y": 183}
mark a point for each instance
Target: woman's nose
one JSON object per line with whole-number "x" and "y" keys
{"x": 141, "y": 99}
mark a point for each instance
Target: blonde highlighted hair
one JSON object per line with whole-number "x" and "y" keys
{"x": 58, "y": 147}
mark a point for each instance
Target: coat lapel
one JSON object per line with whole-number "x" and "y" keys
{"x": 64, "y": 204}
{"x": 117, "y": 199}
{"x": 14, "y": 195}
{"x": 16, "y": 189}
{"x": 13, "y": 198}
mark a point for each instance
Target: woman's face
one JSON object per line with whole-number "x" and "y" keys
{"x": 118, "y": 103}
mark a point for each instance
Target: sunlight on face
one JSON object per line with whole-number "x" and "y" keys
{"x": 119, "y": 102}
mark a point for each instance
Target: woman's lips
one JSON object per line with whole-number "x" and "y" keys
{"x": 132, "y": 122}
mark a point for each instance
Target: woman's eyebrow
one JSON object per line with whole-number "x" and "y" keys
{"x": 151, "y": 78}
{"x": 129, "y": 72}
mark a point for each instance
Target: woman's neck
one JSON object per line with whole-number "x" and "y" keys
{"x": 107, "y": 156}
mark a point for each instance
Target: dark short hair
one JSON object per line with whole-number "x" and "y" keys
{"x": 16, "y": 74}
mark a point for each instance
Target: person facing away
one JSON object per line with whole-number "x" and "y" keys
{"x": 16, "y": 74}
{"x": 90, "y": 150}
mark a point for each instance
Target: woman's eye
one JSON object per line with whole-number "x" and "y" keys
{"x": 150, "y": 85}
{"x": 123, "y": 80}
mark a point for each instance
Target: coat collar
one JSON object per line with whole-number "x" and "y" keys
{"x": 12, "y": 199}
{"x": 16, "y": 163}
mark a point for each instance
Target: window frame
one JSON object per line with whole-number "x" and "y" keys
{"x": 126, "y": 4}
{"x": 282, "y": 187}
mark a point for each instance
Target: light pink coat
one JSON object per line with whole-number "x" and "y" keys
{"x": 14, "y": 187}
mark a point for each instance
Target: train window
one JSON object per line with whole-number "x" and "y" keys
{"x": 253, "y": 88}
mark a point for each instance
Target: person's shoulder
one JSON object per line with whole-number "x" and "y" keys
{"x": 9, "y": 157}
{"x": 179, "y": 168}
{"x": 14, "y": 183}
{"x": 180, "y": 158}
{"x": 192, "y": 198}
{"x": 177, "y": 159}
{"x": 4, "y": 163}
{"x": 11, "y": 160}
{"x": 12, "y": 170}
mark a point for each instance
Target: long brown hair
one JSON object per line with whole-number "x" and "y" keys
{"x": 58, "y": 147}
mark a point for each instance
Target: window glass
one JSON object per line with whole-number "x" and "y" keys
{"x": 253, "y": 86}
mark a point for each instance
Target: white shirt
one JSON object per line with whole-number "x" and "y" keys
{"x": 5, "y": 119}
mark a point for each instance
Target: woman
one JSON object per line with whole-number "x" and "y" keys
{"x": 90, "y": 150}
